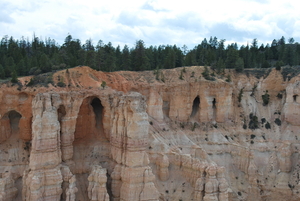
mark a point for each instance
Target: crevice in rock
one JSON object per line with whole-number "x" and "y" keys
{"x": 61, "y": 112}
{"x": 166, "y": 108}
{"x": 214, "y": 107}
{"x": 195, "y": 108}
{"x": 90, "y": 146}
{"x": 295, "y": 97}
{"x": 98, "y": 110}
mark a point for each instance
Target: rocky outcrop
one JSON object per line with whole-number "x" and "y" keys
{"x": 139, "y": 138}
{"x": 8, "y": 191}
{"x": 97, "y": 184}
{"x": 129, "y": 140}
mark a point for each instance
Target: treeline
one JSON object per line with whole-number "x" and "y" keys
{"x": 31, "y": 57}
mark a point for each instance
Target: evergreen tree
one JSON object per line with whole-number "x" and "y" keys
{"x": 126, "y": 61}
{"x": 141, "y": 61}
{"x": 118, "y": 58}
{"x": 232, "y": 56}
{"x": 239, "y": 65}
{"x": 44, "y": 63}
{"x": 2, "y": 73}
{"x": 14, "y": 78}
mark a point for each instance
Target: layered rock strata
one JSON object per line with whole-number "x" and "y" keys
{"x": 142, "y": 138}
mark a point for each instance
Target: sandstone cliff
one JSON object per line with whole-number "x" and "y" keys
{"x": 151, "y": 136}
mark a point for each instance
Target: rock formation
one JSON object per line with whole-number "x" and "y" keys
{"x": 143, "y": 139}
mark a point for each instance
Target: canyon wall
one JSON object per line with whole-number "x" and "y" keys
{"x": 143, "y": 136}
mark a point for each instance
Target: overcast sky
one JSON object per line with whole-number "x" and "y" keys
{"x": 156, "y": 22}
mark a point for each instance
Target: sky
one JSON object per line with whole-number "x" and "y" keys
{"x": 156, "y": 22}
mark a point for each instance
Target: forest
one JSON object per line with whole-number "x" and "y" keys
{"x": 21, "y": 57}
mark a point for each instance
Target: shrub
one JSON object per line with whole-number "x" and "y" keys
{"x": 253, "y": 123}
{"x": 194, "y": 126}
{"x": 240, "y": 94}
{"x": 181, "y": 75}
{"x": 162, "y": 77}
{"x": 61, "y": 84}
{"x": 268, "y": 126}
{"x": 278, "y": 121}
{"x": 103, "y": 84}
{"x": 206, "y": 75}
{"x": 42, "y": 79}
{"x": 31, "y": 82}
{"x": 266, "y": 98}
{"x": 279, "y": 95}
{"x": 278, "y": 65}
{"x": 228, "y": 79}
{"x": 253, "y": 90}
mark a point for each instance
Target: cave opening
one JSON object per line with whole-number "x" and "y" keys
{"x": 11, "y": 142}
{"x": 89, "y": 120}
{"x": 90, "y": 146}
{"x": 61, "y": 112}
{"x": 195, "y": 108}
{"x": 214, "y": 107}
{"x": 98, "y": 111}
{"x": 295, "y": 97}
{"x": 14, "y": 119}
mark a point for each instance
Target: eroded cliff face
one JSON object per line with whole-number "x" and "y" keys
{"x": 149, "y": 136}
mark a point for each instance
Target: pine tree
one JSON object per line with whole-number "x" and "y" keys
{"x": 2, "y": 73}
{"x": 141, "y": 61}
{"x": 239, "y": 65}
{"x": 125, "y": 58}
{"x": 14, "y": 78}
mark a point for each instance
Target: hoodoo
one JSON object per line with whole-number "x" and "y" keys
{"x": 138, "y": 138}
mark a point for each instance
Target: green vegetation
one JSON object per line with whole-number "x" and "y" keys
{"x": 103, "y": 84}
{"x": 14, "y": 78}
{"x": 279, "y": 95}
{"x": 253, "y": 90}
{"x": 268, "y": 126}
{"x": 181, "y": 75}
{"x": 42, "y": 80}
{"x": 228, "y": 78}
{"x": 278, "y": 65}
{"x": 253, "y": 123}
{"x": 61, "y": 84}
{"x": 240, "y": 96}
{"x": 206, "y": 75}
{"x": 37, "y": 56}
{"x": 265, "y": 98}
{"x": 278, "y": 122}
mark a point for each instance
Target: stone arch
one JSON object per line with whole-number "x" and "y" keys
{"x": 15, "y": 150}
{"x": 89, "y": 121}
{"x": 196, "y": 107}
{"x": 10, "y": 124}
{"x": 90, "y": 146}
